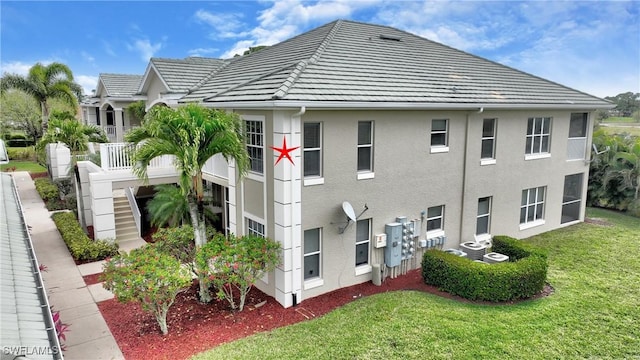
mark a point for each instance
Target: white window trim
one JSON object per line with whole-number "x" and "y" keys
{"x": 363, "y": 269}
{"x": 319, "y": 253}
{"x": 487, "y": 215}
{"x": 256, "y": 220}
{"x": 542, "y": 134}
{"x": 544, "y": 200}
{"x": 482, "y": 237}
{"x": 313, "y": 181}
{"x": 313, "y": 283}
{"x": 434, "y": 233}
{"x": 366, "y": 175}
{"x": 537, "y": 156}
{"x": 532, "y": 224}
{"x": 485, "y": 162}
{"x": 319, "y": 149}
{"x": 441, "y": 217}
{"x": 439, "y": 149}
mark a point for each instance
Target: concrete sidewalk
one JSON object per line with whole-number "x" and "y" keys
{"x": 89, "y": 336}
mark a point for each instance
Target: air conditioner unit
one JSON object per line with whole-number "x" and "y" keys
{"x": 494, "y": 258}
{"x": 474, "y": 250}
{"x": 456, "y": 252}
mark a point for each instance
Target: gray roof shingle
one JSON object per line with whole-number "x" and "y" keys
{"x": 347, "y": 61}
{"x": 182, "y": 74}
{"x": 120, "y": 85}
{"x": 26, "y": 326}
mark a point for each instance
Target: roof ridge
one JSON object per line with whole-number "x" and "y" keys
{"x": 208, "y": 77}
{"x": 262, "y": 76}
{"x": 302, "y": 64}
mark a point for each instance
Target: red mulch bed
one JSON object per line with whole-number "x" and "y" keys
{"x": 92, "y": 279}
{"x": 195, "y": 327}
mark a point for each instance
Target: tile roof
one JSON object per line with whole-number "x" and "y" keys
{"x": 26, "y": 326}
{"x": 351, "y": 62}
{"x": 120, "y": 85}
{"x": 182, "y": 74}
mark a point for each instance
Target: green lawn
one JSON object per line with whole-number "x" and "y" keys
{"x": 594, "y": 313}
{"x": 620, "y": 119}
{"x": 30, "y": 166}
{"x": 613, "y": 130}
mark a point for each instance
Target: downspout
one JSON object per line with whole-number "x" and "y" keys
{"x": 464, "y": 170}
{"x": 303, "y": 109}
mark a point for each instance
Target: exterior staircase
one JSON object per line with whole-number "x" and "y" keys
{"x": 126, "y": 230}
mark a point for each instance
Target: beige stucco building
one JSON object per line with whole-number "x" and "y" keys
{"x": 400, "y": 128}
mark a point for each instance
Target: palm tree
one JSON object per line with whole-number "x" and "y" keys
{"x": 65, "y": 128}
{"x": 192, "y": 134}
{"x": 626, "y": 168}
{"x": 169, "y": 207}
{"x": 45, "y": 82}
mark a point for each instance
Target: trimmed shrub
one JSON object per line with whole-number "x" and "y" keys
{"x": 48, "y": 190}
{"x": 179, "y": 242}
{"x": 81, "y": 247}
{"x": 27, "y": 153}
{"x": 520, "y": 278}
{"x": 149, "y": 277}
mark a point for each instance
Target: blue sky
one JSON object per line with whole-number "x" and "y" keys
{"x": 592, "y": 46}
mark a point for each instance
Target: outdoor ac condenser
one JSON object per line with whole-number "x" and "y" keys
{"x": 474, "y": 250}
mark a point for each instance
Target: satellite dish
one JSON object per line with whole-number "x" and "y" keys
{"x": 348, "y": 210}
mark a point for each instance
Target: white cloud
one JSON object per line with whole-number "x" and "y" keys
{"x": 203, "y": 51}
{"x": 145, "y": 48}
{"x": 16, "y": 67}
{"x": 108, "y": 49}
{"x": 239, "y": 48}
{"x": 87, "y": 57}
{"x": 87, "y": 82}
{"x": 225, "y": 25}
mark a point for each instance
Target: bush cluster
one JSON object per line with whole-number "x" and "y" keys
{"x": 26, "y": 153}
{"x": 48, "y": 190}
{"x": 522, "y": 277}
{"x": 81, "y": 247}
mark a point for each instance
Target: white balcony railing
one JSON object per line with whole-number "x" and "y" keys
{"x": 117, "y": 156}
{"x": 576, "y": 148}
{"x": 110, "y": 130}
{"x": 217, "y": 166}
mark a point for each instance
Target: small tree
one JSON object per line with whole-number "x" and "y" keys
{"x": 147, "y": 276}
{"x": 234, "y": 264}
{"x": 178, "y": 242}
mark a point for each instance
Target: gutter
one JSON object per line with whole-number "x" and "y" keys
{"x": 464, "y": 170}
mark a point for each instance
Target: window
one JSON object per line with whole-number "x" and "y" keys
{"x": 435, "y": 218}
{"x": 488, "y": 139}
{"x": 312, "y": 149}
{"x": 571, "y": 198}
{"x": 483, "y": 220}
{"x": 577, "y": 142}
{"x": 532, "y": 205}
{"x": 363, "y": 238}
{"x": 439, "y": 133}
{"x": 538, "y": 135}
{"x": 255, "y": 145}
{"x": 365, "y": 145}
{"x": 255, "y": 228}
{"x": 312, "y": 246}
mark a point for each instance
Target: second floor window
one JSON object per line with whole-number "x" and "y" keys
{"x": 312, "y": 149}
{"x": 538, "y": 135}
{"x": 488, "y": 139}
{"x": 255, "y": 145}
{"x": 439, "y": 129}
{"x": 365, "y": 146}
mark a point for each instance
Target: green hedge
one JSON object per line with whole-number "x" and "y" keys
{"x": 26, "y": 153}
{"x": 48, "y": 190}
{"x": 81, "y": 247}
{"x": 522, "y": 277}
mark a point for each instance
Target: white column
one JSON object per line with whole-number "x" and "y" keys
{"x": 287, "y": 209}
{"x": 119, "y": 118}
{"x": 103, "y": 217}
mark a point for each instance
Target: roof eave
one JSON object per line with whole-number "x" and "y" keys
{"x": 338, "y": 105}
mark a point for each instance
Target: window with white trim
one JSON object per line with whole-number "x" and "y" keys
{"x": 439, "y": 136}
{"x": 312, "y": 149}
{"x": 483, "y": 218}
{"x": 571, "y": 198}
{"x": 312, "y": 253}
{"x": 255, "y": 145}
{"x": 365, "y": 146}
{"x": 488, "y": 147}
{"x": 532, "y": 205}
{"x": 435, "y": 218}
{"x": 538, "y": 135}
{"x": 363, "y": 239}
{"x": 255, "y": 228}
{"x": 577, "y": 142}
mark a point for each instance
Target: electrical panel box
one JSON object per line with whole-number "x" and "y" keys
{"x": 393, "y": 250}
{"x": 407, "y": 240}
{"x": 416, "y": 227}
{"x": 380, "y": 240}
